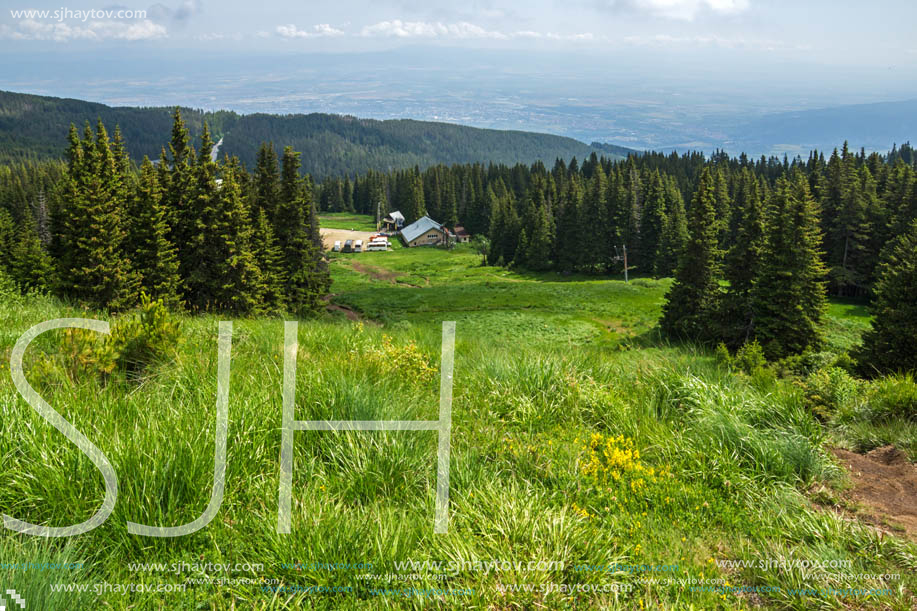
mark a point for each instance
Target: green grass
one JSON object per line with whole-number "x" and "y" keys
{"x": 347, "y": 220}
{"x": 543, "y": 363}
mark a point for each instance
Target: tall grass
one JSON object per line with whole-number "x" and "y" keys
{"x": 741, "y": 454}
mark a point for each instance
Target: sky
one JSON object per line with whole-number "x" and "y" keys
{"x": 642, "y": 73}
{"x": 830, "y": 32}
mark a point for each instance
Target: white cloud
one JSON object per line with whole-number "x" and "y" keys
{"x": 422, "y": 29}
{"x": 685, "y": 10}
{"x": 322, "y": 29}
{"x": 30, "y": 29}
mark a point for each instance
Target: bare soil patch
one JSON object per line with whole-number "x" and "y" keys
{"x": 376, "y": 273}
{"x": 329, "y": 236}
{"x": 885, "y": 485}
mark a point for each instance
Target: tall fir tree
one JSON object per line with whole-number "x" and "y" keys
{"x": 95, "y": 270}
{"x": 693, "y": 301}
{"x": 652, "y": 222}
{"x": 674, "y": 234}
{"x": 270, "y": 262}
{"x": 226, "y": 277}
{"x": 152, "y": 253}
{"x": 539, "y": 250}
{"x": 306, "y": 285}
{"x": 788, "y": 298}
{"x": 266, "y": 182}
{"x": 744, "y": 260}
{"x": 891, "y": 344}
{"x": 178, "y": 181}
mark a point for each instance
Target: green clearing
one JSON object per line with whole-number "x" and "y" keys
{"x": 553, "y": 376}
{"x": 347, "y": 220}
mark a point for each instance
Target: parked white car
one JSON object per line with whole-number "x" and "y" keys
{"x": 337, "y": 246}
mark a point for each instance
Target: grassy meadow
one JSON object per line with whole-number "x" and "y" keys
{"x": 580, "y": 439}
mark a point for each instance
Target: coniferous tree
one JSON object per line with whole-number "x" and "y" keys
{"x": 296, "y": 238}
{"x": 694, "y": 299}
{"x": 570, "y": 239}
{"x": 674, "y": 234}
{"x": 538, "y": 253}
{"x": 177, "y": 178}
{"x": 266, "y": 182}
{"x": 7, "y": 237}
{"x": 744, "y": 259}
{"x": 594, "y": 221}
{"x": 226, "y": 277}
{"x": 788, "y": 298}
{"x": 152, "y": 253}
{"x": 95, "y": 270}
{"x": 652, "y": 222}
{"x": 29, "y": 264}
{"x": 321, "y": 274}
{"x": 891, "y": 343}
{"x": 270, "y": 262}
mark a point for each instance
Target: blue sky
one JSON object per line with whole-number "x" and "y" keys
{"x": 838, "y": 32}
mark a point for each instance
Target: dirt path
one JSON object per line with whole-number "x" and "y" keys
{"x": 885, "y": 485}
{"x": 335, "y": 307}
{"x": 376, "y": 273}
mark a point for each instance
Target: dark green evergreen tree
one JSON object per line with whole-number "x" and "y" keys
{"x": 295, "y": 228}
{"x": 693, "y": 300}
{"x": 152, "y": 253}
{"x": 788, "y": 297}
{"x": 891, "y": 344}
{"x": 744, "y": 260}
{"x": 674, "y": 234}
{"x": 95, "y": 270}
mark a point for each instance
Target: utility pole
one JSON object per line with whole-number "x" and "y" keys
{"x": 625, "y": 263}
{"x": 619, "y": 257}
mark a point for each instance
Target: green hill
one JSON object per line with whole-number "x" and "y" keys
{"x": 34, "y": 126}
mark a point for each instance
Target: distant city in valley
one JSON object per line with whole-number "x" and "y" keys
{"x": 604, "y": 102}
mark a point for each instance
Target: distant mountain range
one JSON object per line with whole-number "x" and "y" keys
{"x": 36, "y": 127}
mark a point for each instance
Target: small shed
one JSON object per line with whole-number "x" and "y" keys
{"x": 393, "y": 221}
{"x": 460, "y": 234}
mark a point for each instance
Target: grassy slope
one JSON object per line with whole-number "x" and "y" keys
{"x": 347, "y": 220}
{"x": 542, "y": 364}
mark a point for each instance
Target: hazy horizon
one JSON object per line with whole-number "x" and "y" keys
{"x": 649, "y": 74}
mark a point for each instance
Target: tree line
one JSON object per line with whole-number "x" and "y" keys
{"x": 195, "y": 233}
{"x": 754, "y": 245}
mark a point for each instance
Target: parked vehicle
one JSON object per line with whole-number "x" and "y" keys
{"x": 337, "y": 246}
{"x": 358, "y": 246}
{"x": 374, "y": 246}
{"x": 348, "y": 246}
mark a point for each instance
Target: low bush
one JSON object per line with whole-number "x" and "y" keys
{"x": 829, "y": 390}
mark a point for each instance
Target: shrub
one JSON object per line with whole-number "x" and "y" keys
{"x": 721, "y": 355}
{"x": 750, "y": 357}
{"x": 894, "y": 396}
{"x": 828, "y": 390}
{"x": 135, "y": 342}
{"x": 9, "y": 292}
{"x": 142, "y": 339}
{"x": 407, "y": 360}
